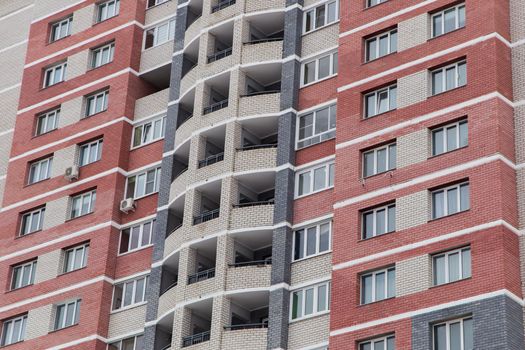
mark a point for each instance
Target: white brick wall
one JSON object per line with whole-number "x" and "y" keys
{"x": 252, "y": 339}
{"x": 56, "y": 212}
{"x": 248, "y": 277}
{"x": 151, "y": 104}
{"x": 39, "y": 321}
{"x": 257, "y": 5}
{"x": 413, "y": 275}
{"x": 262, "y": 52}
{"x": 308, "y": 332}
{"x": 412, "y": 89}
{"x": 517, "y": 17}
{"x": 48, "y": 266}
{"x": 83, "y": 19}
{"x": 156, "y": 56}
{"x": 9, "y": 36}
{"x": 8, "y": 109}
{"x": 518, "y": 72}
{"x": 45, "y": 7}
{"x": 520, "y": 182}
{"x": 311, "y": 268}
{"x": 160, "y": 12}
{"x": 412, "y": 148}
{"x": 413, "y": 32}
{"x": 264, "y": 158}
{"x": 5, "y": 146}
{"x": 126, "y": 321}
{"x": 71, "y": 111}
{"x": 259, "y": 215}
{"x": 261, "y": 104}
{"x": 62, "y": 159}
{"x": 77, "y": 64}
{"x": 412, "y": 210}
{"x": 320, "y": 40}
{"x": 2, "y": 186}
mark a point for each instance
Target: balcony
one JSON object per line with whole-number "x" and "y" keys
{"x": 258, "y": 5}
{"x": 201, "y": 276}
{"x": 219, "y": 55}
{"x": 215, "y": 107}
{"x": 155, "y": 62}
{"x": 266, "y": 41}
{"x": 195, "y": 339}
{"x": 211, "y": 160}
{"x": 206, "y": 216}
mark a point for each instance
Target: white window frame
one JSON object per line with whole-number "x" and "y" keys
{"x": 104, "y": 95}
{"x": 69, "y": 263}
{"x": 58, "y": 25}
{"x": 386, "y": 148}
{"x": 133, "y": 293}
{"x": 156, "y": 3}
{"x": 315, "y": 312}
{"x": 8, "y": 339}
{"x": 44, "y": 118}
{"x": 119, "y": 342}
{"x": 156, "y": 183}
{"x": 36, "y": 167}
{"x": 373, "y": 342}
{"x": 92, "y": 202}
{"x": 369, "y": 3}
{"x": 50, "y": 77}
{"x": 152, "y": 123}
{"x": 443, "y": 71}
{"x": 446, "y": 255}
{"x": 376, "y": 93}
{"x": 333, "y": 68}
{"x": 32, "y": 272}
{"x": 328, "y": 132}
{"x": 104, "y": 7}
{"x": 171, "y": 34}
{"x": 447, "y": 324}
{"x": 442, "y": 15}
{"x": 66, "y": 305}
{"x": 374, "y": 213}
{"x": 317, "y": 240}
{"x": 445, "y": 199}
{"x": 31, "y": 214}
{"x": 445, "y": 128}
{"x": 328, "y": 165}
{"x": 377, "y": 38}
{"x": 139, "y": 240}
{"x": 97, "y": 55}
{"x": 87, "y": 147}
{"x": 374, "y": 274}
{"x": 314, "y": 9}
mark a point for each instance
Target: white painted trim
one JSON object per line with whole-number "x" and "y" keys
{"x": 131, "y": 277}
{"x": 16, "y": 12}
{"x": 309, "y": 222}
{"x": 315, "y": 346}
{"x": 57, "y": 11}
{"x": 315, "y": 162}
{"x": 13, "y": 46}
{"x": 78, "y": 341}
{"x": 10, "y": 88}
{"x": 410, "y": 314}
{"x": 2, "y": 133}
{"x": 310, "y": 283}
{"x": 126, "y": 335}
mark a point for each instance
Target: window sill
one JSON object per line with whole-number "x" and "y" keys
{"x": 27, "y": 234}
{"x": 312, "y": 193}
{"x": 377, "y": 115}
{"x": 146, "y": 144}
{"x": 377, "y": 301}
{"x": 304, "y": 318}
{"x": 51, "y": 86}
{"x": 449, "y": 283}
{"x": 318, "y": 81}
{"x": 312, "y": 256}
{"x": 320, "y": 28}
{"x": 55, "y": 41}
{"x": 129, "y": 307}
{"x": 92, "y": 115}
{"x": 15, "y": 343}
{"x": 447, "y": 152}
{"x": 364, "y": 178}
{"x": 80, "y": 216}
{"x": 104, "y": 20}
{"x": 158, "y": 45}
{"x": 297, "y": 148}
{"x": 447, "y": 91}
{"x": 445, "y": 34}
{"x": 144, "y": 196}
{"x": 450, "y": 215}
{"x": 36, "y": 182}
{"x": 135, "y": 250}
{"x": 88, "y": 164}
{"x": 91, "y": 69}
{"x": 60, "y": 329}
{"x": 44, "y": 133}
{"x": 361, "y": 239}
{"x": 70, "y": 272}
{"x": 378, "y": 58}
{"x": 17, "y": 289}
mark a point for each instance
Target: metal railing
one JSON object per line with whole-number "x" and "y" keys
{"x": 264, "y": 262}
{"x": 235, "y": 327}
{"x": 265, "y": 40}
{"x": 220, "y": 55}
{"x": 211, "y": 160}
{"x": 180, "y": 173}
{"x": 201, "y": 276}
{"x": 184, "y": 120}
{"x": 261, "y": 146}
{"x": 263, "y": 92}
{"x": 195, "y": 339}
{"x": 175, "y": 229}
{"x": 222, "y": 5}
{"x": 169, "y": 287}
{"x": 206, "y": 216}
{"x": 253, "y": 204}
{"x": 166, "y": 347}
{"x": 215, "y": 107}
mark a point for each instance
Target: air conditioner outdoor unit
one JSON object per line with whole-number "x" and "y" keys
{"x": 71, "y": 173}
{"x": 127, "y": 205}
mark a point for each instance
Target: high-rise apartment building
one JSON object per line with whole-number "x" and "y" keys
{"x": 252, "y": 175}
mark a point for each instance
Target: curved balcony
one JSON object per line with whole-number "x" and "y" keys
{"x": 169, "y": 299}
{"x": 253, "y": 274}
{"x": 251, "y": 337}
{"x": 178, "y": 185}
{"x": 257, "y": 5}
{"x": 223, "y": 10}
{"x": 174, "y": 240}
{"x": 184, "y": 131}
{"x": 257, "y": 214}
{"x": 262, "y": 50}
{"x": 188, "y": 80}
{"x": 266, "y": 102}
{"x": 193, "y": 31}
{"x": 256, "y": 157}
{"x": 218, "y": 63}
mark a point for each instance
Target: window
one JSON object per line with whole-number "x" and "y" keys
{"x": 130, "y": 292}
{"x": 152, "y": 3}
{"x": 312, "y": 240}
{"x": 320, "y": 68}
{"x": 23, "y": 275}
{"x": 379, "y": 160}
{"x": 383, "y": 343}
{"x": 381, "y": 45}
{"x": 448, "y": 20}
{"x": 456, "y": 334}
{"x": 149, "y": 132}
{"x": 370, "y": 3}
{"x": 136, "y": 237}
{"x": 61, "y": 29}
{"x": 378, "y": 285}
{"x": 40, "y": 170}
{"x": 449, "y": 77}
{"x": 67, "y": 314}
{"x": 14, "y": 330}
{"x": 142, "y": 184}
{"x": 160, "y": 34}
{"x": 83, "y": 204}
{"x": 321, "y": 15}
{"x": 76, "y": 258}
{"x": 317, "y": 126}
{"x": 310, "y": 300}
{"x": 449, "y": 137}
{"x": 381, "y": 101}
{"x": 54, "y": 75}
{"x": 133, "y": 343}
{"x": 97, "y": 103}
{"x": 450, "y": 200}
{"x": 379, "y": 221}
{"x": 90, "y": 152}
{"x": 108, "y": 9}
{"x": 47, "y": 122}
{"x": 315, "y": 179}
{"x": 102, "y": 55}
{"x": 32, "y": 221}
{"x": 451, "y": 266}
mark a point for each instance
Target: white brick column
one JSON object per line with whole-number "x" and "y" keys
{"x": 412, "y": 210}
{"x": 56, "y": 212}
{"x": 412, "y": 89}
{"x": 181, "y": 326}
{"x": 413, "y": 275}
{"x": 71, "y": 111}
{"x": 48, "y": 266}
{"x": 220, "y": 317}
{"x": 83, "y": 19}
{"x": 77, "y": 64}
{"x": 39, "y": 321}
{"x": 413, "y": 32}
{"x": 412, "y": 148}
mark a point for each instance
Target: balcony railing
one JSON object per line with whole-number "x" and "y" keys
{"x": 201, "y": 276}
{"x": 265, "y": 40}
{"x": 211, "y": 160}
{"x": 264, "y": 262}
{"x": 235, "y": 327}
{"x": 222, "y": 5}
{"x": 167, "y": 347}
{"x": 253, "y": 204}
{"x": 220, "y": 55}
{"x": 215, "y": 107}
{"x": 174, "y": 229}
{"x": 206, "y": 216}
{"x": 180, "y": 173}
{"x": 195, "y": 339}
{"x": 169, "y": 287}
{"x": 261, "y": 146}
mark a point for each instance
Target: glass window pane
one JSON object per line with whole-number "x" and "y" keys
{"x": 440, "y": 337}
{"x": 380, "y": 221}
{"x": 450, "y": 20}
{"x": 463, "y": 134}
{"x": 392, "y": 157}
{"x": 371, "y": 49}
{"x": 380, "y": 286}
{"x": 324, "y": 67}
{"x": 391, "y": 219}
{"x": 332, "y": 12}
{"x": 311, "y": 241}
{"x": 324, "y": 237}
{"x": 304, "y": 183}
{"x": 370, "y": 105}
{"x": 319, "y": 178}
{"x": 466, "y": 263}
{"x": 128, "y": 293}
{"x": 437, "y": 82}
{"x": 437, "y": 23}
{"x": 383, "y": 45}
{"x": 461, "y": 16}
{"x": 379, "y": 345}
{"x": 309, "y": 72}
{"x": 366, "y": 289}
{"x": 452, "y": 138}
{"x": 321, "y": 120}
{"x": 368, "y": 225}
{"x": 452, "y": 201}
{"x": 369, "y": 163}
{"x": 450, "y": 78}
{"x": 464, "y": 197}
{"x": 297, "y": 305}
{"x": 382, "y": 105}
{"x": 462, "y": 74}
{"x": 453, "y": 267}
{"x": 366, "y": 346}
{"x": 139, "y": 291}
{"x": 319, "y": 16}
{"x": 391, "y": 280}
{"x": 468, "y": 334}
{"x": 127, "y": 344}
{"x": 309, "y": 21}
{"x": 391, "y": 343}
{"x": 438, "y": 146}
{"x": 299, "y": 244}
{"x": 439, "y": 270}
{"x": 78, "y": 258}
{"x": 381, "y": 160}
{"x": 455, "y": 336}
{"x": 60, "y": 316}
{"x": 146, "y": 233}
{"x": 438, "y": 204}
{"x": 321, "y": 298}
{"x": 70, "y": 313}
{"x": 393, "y": 41}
